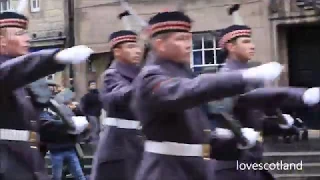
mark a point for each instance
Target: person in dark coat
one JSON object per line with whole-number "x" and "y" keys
{"x": 63, "y": 148}
{"x": 56, "y": 135}
{"x": 168, "y": 101}
{"x": 19, "y": 154}
{"x": 91, "y": 106}
{"x": 249, "y": 107}
{"x": 90, "y": 102}
{"x": 120, "y": 148}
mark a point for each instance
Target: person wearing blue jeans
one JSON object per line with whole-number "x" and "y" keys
{"x": 69, "y": 156}
{"x": 62, "y": 151}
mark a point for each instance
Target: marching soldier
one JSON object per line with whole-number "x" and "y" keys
{"x": 19, "y": 154}
{"x": 120, "y": 148}
{"x": 167, "y": 100}
{"x": 247, "y": 108}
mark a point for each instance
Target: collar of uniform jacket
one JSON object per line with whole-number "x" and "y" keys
{"x": 236, "y": 64}
{"x": 175, "y": 68}
{"x": 4, "y": 58}
{"x": 126, "y": 69}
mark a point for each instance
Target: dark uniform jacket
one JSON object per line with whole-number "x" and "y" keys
{"x": 168, "y": 102}
{"x": 251, "y": 114}
{"x": 119, "y": 150}
{"x": 21, "y": 160}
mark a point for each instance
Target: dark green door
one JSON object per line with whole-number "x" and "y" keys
{"x": 304, "y": 65}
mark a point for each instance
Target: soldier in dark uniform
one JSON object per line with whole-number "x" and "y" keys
{"x": 120, "y": 148}
{"x": 168, "y": 98}
{"x": 248, "y": 108}
{"x": 19, "y": 154}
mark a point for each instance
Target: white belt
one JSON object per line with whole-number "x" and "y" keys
{"x": 17, "y": 135}
{"x": 121, "y": 123}
{"x": 177, "y": 149}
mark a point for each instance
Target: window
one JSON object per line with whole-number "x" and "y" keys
{"x": 35, "y": 5}
{"x": 91, "y": 67}
{"x": 305, "y": 4}
{"x": 4, "y": 5}
{"x": 205, "y": 52}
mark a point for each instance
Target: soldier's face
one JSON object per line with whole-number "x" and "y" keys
{"x": 129, "y": 52}
{"x": 14, "y": 41}
{"x": 177, "y": 46}
{"x": 243, "y": 48}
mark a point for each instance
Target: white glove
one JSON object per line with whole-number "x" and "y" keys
{"x": 311, "y": 96}
{"x": 73, "y": 55}
{"x": 222, "y": 133}
{"x": 265, "y": 73}
{"x": 251, "y": 135}
{"x": 80, "y": 123}
{"x": 289, "y": 120}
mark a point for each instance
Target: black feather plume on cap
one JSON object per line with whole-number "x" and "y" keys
{"x": 123, "y": 14}
{"x": 233, "y": 8}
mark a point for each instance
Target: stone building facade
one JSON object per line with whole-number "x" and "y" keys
{"x": 96, "y": 19}
{"x": 294, "y": 36}
{"x": 47, "y": 27}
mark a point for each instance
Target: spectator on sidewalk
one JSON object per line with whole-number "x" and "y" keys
{"x": 91, "y": 106}
{"x": 63, "y": 150}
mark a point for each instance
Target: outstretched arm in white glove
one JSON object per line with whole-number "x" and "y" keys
{"x": 80, "y": 123}
{"x": 290, "y": 122}
{"x": 264, "y": 73}
{"x": 251, "y": 135}
{"x": 311, "y": 96}
{"x": 222, "y": 133}
{"x": 225, "y": 134}
{"x": 74, "y": 55}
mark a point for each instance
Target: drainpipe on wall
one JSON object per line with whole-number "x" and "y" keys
{"x": 70, "y": 38}
{"x": 77, "y": 72}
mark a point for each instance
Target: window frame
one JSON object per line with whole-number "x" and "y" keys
{"x": 8, "y": 5}
{"x": 215, "y": 49}
{"x": 35, "y": 9}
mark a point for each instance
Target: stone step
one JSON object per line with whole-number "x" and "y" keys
{"x": 70, "y": 177}
{"x": 292, "y": 157}
{"x": 86, "y": 160}
{"x": 293, "y": 176}
{"x": 313, "y": 144}
{"x": 310, "y": 165}
{"x": 305, "y": 168}
{"x": 86, "y": 169}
